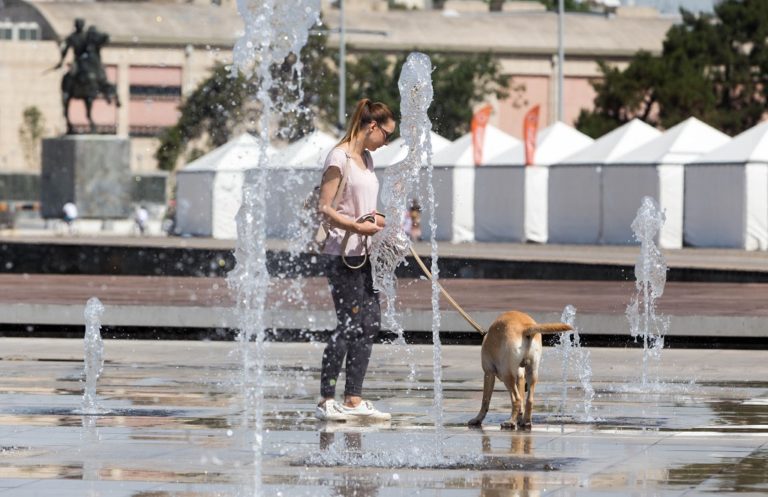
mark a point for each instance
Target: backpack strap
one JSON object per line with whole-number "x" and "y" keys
{"x": 344, "y": 176}
{"x": 343, "y": 184}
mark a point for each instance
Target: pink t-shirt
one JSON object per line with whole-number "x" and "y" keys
{"x": 358, "y": 198}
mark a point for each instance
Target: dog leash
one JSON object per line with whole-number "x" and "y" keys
{"x": 427, "y": 272}
{"x": 366, "y": 218}
{"x": 447, "y": 295}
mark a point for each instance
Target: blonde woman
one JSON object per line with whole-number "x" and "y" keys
{"x": 353, "y": 220}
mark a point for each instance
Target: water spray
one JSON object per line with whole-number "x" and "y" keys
{"x": 651, "y": 276}
{"x": 94, "y": 354}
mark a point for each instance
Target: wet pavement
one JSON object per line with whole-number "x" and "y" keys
{"x": 173, "y": 425}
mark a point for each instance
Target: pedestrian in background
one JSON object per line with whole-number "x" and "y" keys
{"x": 69, "y": 214}
{"x": 141, "y": 217}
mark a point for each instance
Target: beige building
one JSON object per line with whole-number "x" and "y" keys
{"x": 160, "y": 51}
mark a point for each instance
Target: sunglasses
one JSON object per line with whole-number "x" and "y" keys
{"x": 387, "y": 134}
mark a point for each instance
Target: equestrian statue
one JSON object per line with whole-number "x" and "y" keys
{"x": 86, "y": 78}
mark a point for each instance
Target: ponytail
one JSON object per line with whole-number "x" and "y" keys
{"x": 366, "y": 112}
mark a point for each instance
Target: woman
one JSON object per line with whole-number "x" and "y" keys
{"x": 357, "y": 306}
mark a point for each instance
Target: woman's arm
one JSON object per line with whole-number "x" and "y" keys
{"x": 328, "y": 189}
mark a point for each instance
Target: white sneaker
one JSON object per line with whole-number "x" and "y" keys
{"x": 365, "y": 411}
{"x": 330, "y": 410}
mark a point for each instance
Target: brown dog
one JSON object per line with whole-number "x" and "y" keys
{"x": 513, "y": 344}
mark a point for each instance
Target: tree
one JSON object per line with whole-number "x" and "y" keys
{"x": 462, "y": 82}
{"x": 315, "y": 99}
{"x": 459, "y": 83}
{"x": 713, "y": 67}
{"x": 223, "y": 104}
{"x": 623, "y": 95}
{"x": 214, "y": 109}
{"x": 568, "y": 5}
{"x": 30, "y": 135}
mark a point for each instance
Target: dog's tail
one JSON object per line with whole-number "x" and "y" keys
{"x": 546, "y": 328}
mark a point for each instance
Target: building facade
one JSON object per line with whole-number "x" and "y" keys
{"x": 159, "y": 52}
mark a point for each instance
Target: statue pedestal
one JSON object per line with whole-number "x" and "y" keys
{"x": 93, "y": 171}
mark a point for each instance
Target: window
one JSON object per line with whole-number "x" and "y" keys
{"x": 155, "y": 98}
{"x": 149, "y": 91}
{"x": 6, "y": 31}
{"x": 28, "y": 31}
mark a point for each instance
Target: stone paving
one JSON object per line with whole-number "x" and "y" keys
{"x": 694, "y": 309}
{"x": 173, "y": 425}
{"x": 713, "y": 258}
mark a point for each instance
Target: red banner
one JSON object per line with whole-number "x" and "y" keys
{"x": 479, "y": 121}
{"x": 530, "y": 127}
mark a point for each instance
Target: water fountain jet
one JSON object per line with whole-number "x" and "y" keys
{"x": 94, "y": 355}
{"x": 392, "y": 244}
{"x": 575, "y": 358}
{"x": 273, "y": 31}
{"x": 651, "y": 276}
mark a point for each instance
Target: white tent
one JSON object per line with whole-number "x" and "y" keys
{"x": 656, "y": 170}
{"x": 209, "y": 189}
{"x": 574, "y": 213}
{"x": 454, "y": 184}
{"x": 726, "y": 194}
{"x": 398, "y": 149}
{"x": 294, "y": 172}
{"x": 511, "y": 198}
{"x": 396, "y": 152}
{"x": 308, "y": 151}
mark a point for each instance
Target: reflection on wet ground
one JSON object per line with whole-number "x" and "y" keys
{"x": 172, "y": 426}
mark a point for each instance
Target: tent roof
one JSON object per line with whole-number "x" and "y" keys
{"x": 238, "y": 154}
{"x": 553, "y": 143}
{"x": 459, "y": 152}
{"x": 749, "y": 146}
{"x": 621, "y": 140}
{"x": 680, "y": 143}
{"x": 309, "y": 151}
{"x": 397, "y": 150}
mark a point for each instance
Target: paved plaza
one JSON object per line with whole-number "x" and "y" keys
{"x": 173, "y": 425}
{"x": 701, "y": 308}
{"x": 711, "y": 310}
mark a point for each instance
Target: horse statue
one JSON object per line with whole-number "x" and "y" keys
{"x": 86, "y": 79}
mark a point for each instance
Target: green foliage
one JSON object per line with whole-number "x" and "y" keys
{"x": 568, "y": 5}
{"x": 315, "y": 94}
{"x": 222, "y": 103}
{"x": 215, "y": 108}
{"x": 459, "y": 83}
{"x": 30, "y": 135}
{"x": 712, "y": 67}
{"x": 623, "y": 95}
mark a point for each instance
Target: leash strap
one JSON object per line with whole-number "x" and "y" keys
{"x": 362, "y": 219}
{"x": 455, "y": 304}
{"x": 372, "y": 218}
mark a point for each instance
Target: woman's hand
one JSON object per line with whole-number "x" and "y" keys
{"x": 366, "y": 228}
{"x": 380, "y": 220}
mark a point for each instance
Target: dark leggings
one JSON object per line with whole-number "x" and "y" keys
{"x": 358, "y": 317}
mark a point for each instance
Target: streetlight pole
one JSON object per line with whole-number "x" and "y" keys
{"x": 342, "y": 68}
{"x": 560, "y": 57}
